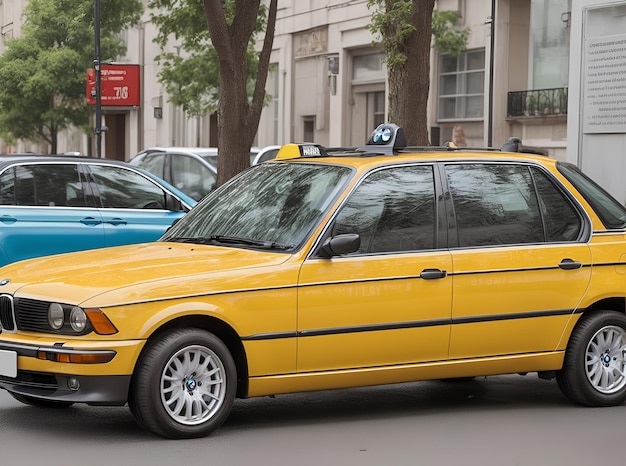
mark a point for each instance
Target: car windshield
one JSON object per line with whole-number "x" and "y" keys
{"x": 269, "y": 206}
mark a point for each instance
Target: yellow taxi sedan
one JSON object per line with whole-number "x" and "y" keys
{"x": 323, "y": 270}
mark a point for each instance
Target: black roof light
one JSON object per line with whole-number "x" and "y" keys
{"x": 514, "y": 144}
{"x": 386, "y": 139}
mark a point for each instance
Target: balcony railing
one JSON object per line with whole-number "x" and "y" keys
{"x": 539, "y": 102}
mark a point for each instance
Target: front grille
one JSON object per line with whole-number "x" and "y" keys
{"x": 7, "y": 316}
{"x": 32, "y": 315}
{"x": 33, "y": 379}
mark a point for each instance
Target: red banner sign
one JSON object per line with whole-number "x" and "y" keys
{"x": 120, "y": 85}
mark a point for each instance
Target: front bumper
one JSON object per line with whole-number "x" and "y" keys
{"x": 109, "y": 390}
{"x": 48, "y": 369}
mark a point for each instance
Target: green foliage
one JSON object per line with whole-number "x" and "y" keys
{"x": 43, "y": 72}
{"x": 448, "y": 37}
{"x": 191, "y": 74}
{"x": 391, "y": 26}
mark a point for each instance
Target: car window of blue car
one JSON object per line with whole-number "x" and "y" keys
{"x": 42, "y": 185}
{"x": 122, "y": 188}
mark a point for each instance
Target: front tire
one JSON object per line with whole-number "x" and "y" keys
{"x": 184, "y": 385}
{"x": 594, "y": 370}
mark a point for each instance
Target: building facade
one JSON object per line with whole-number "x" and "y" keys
{"x": 328, "y": 80}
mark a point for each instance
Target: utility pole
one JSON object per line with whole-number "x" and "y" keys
{"x": 96, "y": 66}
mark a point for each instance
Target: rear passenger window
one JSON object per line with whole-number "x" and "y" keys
{"x": 392, "y": 210}
{"x": 50, "y": 185}
{"x": 509, "y": 204}
{"x": 494, "y": 204}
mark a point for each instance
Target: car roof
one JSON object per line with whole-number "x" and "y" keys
{"x": 12, "y": 158}
{"x": 387, "y": 144}
{"x": 184, "y": 150}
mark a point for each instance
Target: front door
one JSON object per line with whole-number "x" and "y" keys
{"x": 388, "y": 303}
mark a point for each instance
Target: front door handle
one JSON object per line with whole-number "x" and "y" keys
{"x": 90, "y": 221}
{"x": 569, "y": 264}
{"x": 433, "y": 274}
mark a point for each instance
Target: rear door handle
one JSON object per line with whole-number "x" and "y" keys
{"x": 433, "y": 274}
{"x": 569, "y": 264}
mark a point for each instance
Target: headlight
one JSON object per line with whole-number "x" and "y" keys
{"x": 78, "y": 319}
{"x": 56, "y": 316}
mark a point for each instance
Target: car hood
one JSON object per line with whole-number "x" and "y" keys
{"x": 135, "y": 273}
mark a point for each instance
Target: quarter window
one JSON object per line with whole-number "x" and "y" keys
{"x": 562, "y": 221}
{"x": 392, "y": 210}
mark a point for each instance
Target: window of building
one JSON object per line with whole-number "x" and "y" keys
{"x": 549, "y": 43}
{"x": 462, "y": 85}
{"x": 308, "y": 129}
{"x": 274, "y": 106}
{"x": 378, "y": 108}
{"x": 367, "y": 68}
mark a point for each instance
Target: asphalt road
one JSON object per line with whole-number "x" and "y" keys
{"x": 500, "y": 421}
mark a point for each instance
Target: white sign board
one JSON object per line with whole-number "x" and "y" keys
{"x": 604, "y": 86}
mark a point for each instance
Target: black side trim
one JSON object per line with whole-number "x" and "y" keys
{"x": 270, "y": 336}
{"x": 514, "y": 316}
{"x": 373, "y": 328}
{"x": 411, "y": 324}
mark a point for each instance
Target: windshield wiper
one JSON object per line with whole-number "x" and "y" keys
{"x": 221, "y": 239}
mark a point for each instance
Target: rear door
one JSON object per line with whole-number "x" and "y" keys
{"x": 133, "y": 207}
{"x": 521, "y": 259}
{"x": 45, "y": 209}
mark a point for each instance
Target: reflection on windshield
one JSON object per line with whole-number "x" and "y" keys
{"x": 270, "y": 206}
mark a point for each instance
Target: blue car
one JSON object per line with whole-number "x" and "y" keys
{"x": 57, "y": 204}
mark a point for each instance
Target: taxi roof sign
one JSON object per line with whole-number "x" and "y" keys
{"x": 294, "y": 151}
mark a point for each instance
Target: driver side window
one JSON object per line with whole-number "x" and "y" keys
{"x": 393, "y": 210}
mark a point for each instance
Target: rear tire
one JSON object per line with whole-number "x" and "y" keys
{"x": 184, "y": 385}
{"x": 594, "y": 370}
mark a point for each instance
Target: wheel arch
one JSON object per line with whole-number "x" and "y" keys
{"x": 607, "y": 304}
{"x": 221, "y": 330}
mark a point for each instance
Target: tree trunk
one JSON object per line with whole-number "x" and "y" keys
{"x": 237, "y": 117}
{"x": 409, "y": 82}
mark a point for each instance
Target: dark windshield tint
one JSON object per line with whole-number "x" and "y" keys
{"x": 273, "y": 203}
{"x": 608, "y": 209}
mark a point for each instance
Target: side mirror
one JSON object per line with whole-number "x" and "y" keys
{"x": 340, "y": 245}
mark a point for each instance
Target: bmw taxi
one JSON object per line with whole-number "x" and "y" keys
{"x": 330, "y": 269}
